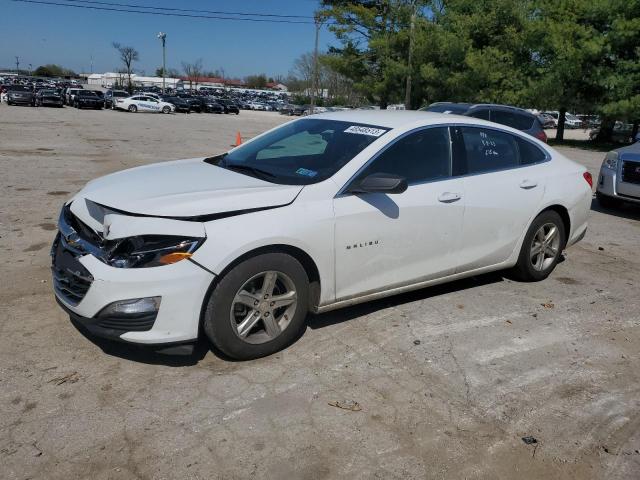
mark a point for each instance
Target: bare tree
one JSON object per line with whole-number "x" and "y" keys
{"x": 303, "y": 68}
{"x": 193, "y": 71}
{"x": 128, "y": 55}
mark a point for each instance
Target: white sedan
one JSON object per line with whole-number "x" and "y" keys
{"x": 317, "y": 214}
{"x": 143, "y": 103}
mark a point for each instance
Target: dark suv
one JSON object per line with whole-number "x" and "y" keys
{"x": 503, "y": 114}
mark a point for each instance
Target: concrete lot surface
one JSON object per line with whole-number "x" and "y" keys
{"x": 449, "y": 379}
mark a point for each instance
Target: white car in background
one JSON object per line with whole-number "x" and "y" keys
{"x": 570, "y": 121}
{"x": 144, "y": 103}
{"x": 317, "y": 214}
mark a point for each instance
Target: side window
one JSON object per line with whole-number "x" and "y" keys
{"x": 515, "y": 120}
{"x": 418, "y": 157}
{"x": 487, "y": 150}
{"x": 529, "y": 153}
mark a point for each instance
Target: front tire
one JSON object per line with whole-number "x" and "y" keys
{"x": 541, "y": 248}
{"x": 259, "y": 307}
{"x": 166, "y": 109}
{"x": 133, "y": 108}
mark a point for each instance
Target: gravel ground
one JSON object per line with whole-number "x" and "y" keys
{"x": 449, "y": 379}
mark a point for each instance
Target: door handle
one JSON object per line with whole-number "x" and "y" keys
{"x": 449, "y": 197}
{"x": 528, "y": 184}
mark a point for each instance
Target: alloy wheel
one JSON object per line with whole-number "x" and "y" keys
{"x": 545, "y": 247}
{"x": 263, "y": 307}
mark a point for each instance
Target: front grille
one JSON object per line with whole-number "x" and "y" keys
{"x": 631, "y": 172}
{"x": 71, "y": 280}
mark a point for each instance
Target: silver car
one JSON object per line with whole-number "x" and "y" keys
{"x": 619, "y": 178}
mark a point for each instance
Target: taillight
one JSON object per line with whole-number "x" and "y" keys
{"x": 541, "y": 136}
{"x": 587, "y": 176}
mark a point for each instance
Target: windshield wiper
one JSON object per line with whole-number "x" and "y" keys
{"x": 253, "y": 171}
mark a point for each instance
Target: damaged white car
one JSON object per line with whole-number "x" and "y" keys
{"x": 316, "y": 214}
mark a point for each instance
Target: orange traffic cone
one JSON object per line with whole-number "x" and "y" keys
{"x": 238, "y": 139}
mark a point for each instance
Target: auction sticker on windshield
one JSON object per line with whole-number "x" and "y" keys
{"x": 374, "y": 132}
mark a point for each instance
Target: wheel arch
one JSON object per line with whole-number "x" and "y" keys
{"x": 303, "y": 257}
{"x": 564, "y": 215}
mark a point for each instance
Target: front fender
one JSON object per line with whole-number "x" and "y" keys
{"x": 308, "y": 228}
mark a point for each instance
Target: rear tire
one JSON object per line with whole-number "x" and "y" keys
{"x": 275, "y": 327}
{"x": 133, "y": 108}
{"x": 608, "y": 202}
{"x": 541, "y": 248}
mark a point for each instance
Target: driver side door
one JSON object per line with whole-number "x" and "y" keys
{"x": 384, "y": 241}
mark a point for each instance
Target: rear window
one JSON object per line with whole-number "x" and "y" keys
{"x": 529, "y": 153}
{"x": 517, "y": 120}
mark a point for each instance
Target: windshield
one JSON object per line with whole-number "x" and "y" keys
{"x": 302, "y": 152}
{"x": 86, "y": 93}
{"x": 568, "y": 116}
{"x": 18, "y": 88}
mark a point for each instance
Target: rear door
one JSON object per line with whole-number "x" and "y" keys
{"x": 504, "y": 181}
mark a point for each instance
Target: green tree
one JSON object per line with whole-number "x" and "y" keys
{"x": 256, "y": 81}
{"x": 52, "y": 70}
{"x": 570, "y": 41}
{"x": 618, "y": 74}
{"x": 373, "y": 54}
{"x": 475, "y": 51}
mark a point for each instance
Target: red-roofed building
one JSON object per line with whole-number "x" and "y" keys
{"x": 277, "y": 86}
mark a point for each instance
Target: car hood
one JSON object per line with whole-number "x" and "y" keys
{"x": 185, "y": 188}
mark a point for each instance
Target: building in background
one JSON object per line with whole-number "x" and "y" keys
{"x": 109, "y": 79}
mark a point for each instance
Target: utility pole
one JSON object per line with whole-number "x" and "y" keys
{"x": 17, "y": 64}
{"x": 163, "y": 38}
{"x": 407, "y": 93}
{"x": 314, "y": 89}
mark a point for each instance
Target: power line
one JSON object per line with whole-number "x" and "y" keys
{"x": 164, "y": 14}
{"x": 214, "y": 12}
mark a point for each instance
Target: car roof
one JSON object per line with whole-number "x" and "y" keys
{"x": 391, "y": 118}
{"x": 498, "y": 106}
{"x": 410, "y": 119}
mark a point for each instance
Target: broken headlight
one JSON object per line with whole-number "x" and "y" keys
{"x": 152, "y": 251}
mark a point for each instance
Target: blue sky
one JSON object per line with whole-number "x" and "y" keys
{"x": 41, "y": 34}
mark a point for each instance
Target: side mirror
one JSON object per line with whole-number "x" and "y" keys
{"x": 380, "y": 183}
